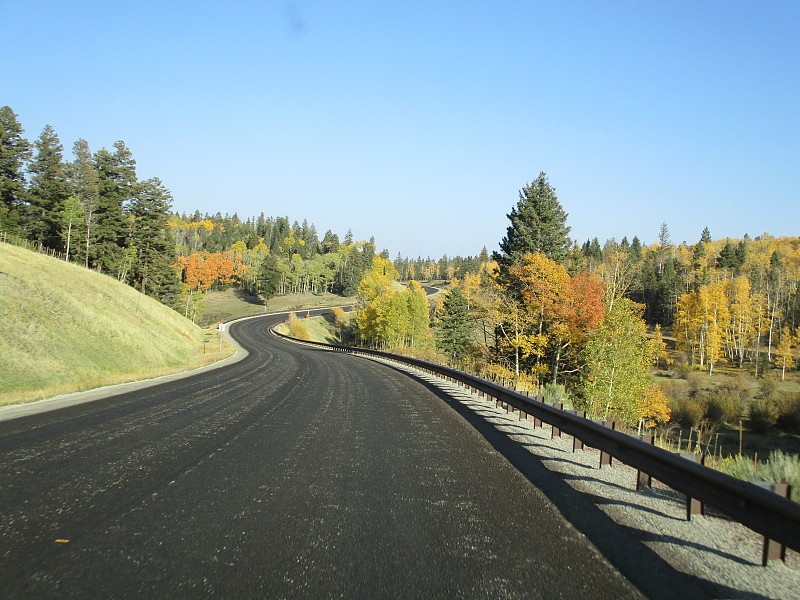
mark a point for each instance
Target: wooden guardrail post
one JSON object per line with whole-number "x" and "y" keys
{"x": 537, "y": 422}
{"x": 555, "y": 431}
{"x": 644, "y": 479}
{"x": 521, "y": 414}
{"x": 605, "y": 457}
{"x": 693, "y": 505}
{"x": 576, "y": 443}
{"x": 772, "y": 549}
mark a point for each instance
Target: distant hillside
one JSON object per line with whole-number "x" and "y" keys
{"x": 65, "y": 328}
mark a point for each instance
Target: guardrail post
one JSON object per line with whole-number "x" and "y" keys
{"x": 555, "y": 431}
{"x": 693, "y": 505}
{"x": 643, "y": 479}
{"x": 772, "y": 549}
{"x": 576, "y": 443}
{"x": 537, "y": 422}
{"x": 605, "y": 457}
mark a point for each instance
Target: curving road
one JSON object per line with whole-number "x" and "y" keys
{"x": 294, "y": 473}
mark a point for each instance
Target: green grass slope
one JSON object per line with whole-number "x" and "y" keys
{"x": 65, "y": 328}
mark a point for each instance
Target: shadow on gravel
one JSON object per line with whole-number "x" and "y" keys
{"x": 623, "y": 546}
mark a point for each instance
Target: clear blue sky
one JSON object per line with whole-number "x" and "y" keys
{"x": 419, "y": 122}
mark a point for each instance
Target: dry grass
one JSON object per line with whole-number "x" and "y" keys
{"x": 68, "y": 329}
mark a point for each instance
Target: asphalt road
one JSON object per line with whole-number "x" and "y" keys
{"x": 295, "y": 472}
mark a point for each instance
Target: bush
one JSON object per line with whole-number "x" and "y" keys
{"x": 297, "y": 328}
{"x": 782, "y": 468}
{"x": 682, "y": 369}
{"x": 687, "y": 412}
{"x": 741, "y": 467}
{"x": 788, "y": 409}
{"x": 769, "y": 387}
{"x": 723, "y": 405}
{"x": 672, "y": 389}
{"x": 741, "y": 385}
{"x": 779, "y": 468}
{"x": 696, "y": 381}
{"x": 763, "y": 416}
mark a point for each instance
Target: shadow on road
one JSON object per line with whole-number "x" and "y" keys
{"x": 623, "y": 546}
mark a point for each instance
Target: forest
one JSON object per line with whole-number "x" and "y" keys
{"x": 586, "y": 320}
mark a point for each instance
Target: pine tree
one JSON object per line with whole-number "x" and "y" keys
{"x": 538, "y": 224}
{"x": 15, "y": 151}
{"x": 149, "y": 210}
{"x": 48, "y": 190}
{"x": 454, "y": 330}
{"x": 269, "y": 277}
{"x": 117, "y": 177}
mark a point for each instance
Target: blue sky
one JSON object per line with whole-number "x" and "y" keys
{"x": 418, "y": 122}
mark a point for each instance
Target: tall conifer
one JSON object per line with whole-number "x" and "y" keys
{"x": 15, "y": 151}
{"x": 538, "y": 224}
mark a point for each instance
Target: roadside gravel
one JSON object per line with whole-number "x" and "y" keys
{"x": 723, "y": 556}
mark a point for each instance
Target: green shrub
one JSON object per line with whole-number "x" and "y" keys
{"x": 769, "y": 387}
{"x": 687, "y": 412}
{"x": 788, "y": 408}
{"x": 682, "y": 369}
{"x": 763, "y": 416}
{"x": 741, "y": 467}
{"x": 741, "y": 385}
{"x": 722, "y": 405}
{"x": 782, "y": 468}
{"x": 695, "y": 381}
{"x": 778, "y": 468}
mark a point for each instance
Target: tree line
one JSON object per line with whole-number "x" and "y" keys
{"x": 585, "y": 322}
{"x": 93, "y": 208}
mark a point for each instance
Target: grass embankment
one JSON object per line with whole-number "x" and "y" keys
{"x": 235, "y": 303}
{"x": 67, "y": 329}
{"x": 317, "y": 329}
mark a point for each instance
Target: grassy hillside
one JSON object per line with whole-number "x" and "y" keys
{"x": 65, "y": 328}
{"x": 235, "y": 303}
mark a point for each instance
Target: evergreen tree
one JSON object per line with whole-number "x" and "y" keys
{"x": 354, "y": 268}
{"x": 149, "y": 210}
{"x": 116, "y": 179}
{"x": 269, "y": 277}
{"x": 538, "y": 224}
{"x": 15, "y": 151}
{"x": 636, "y": 250}
{"x": 330, "y": 243}
{"x": 728, "y": 257}
{"x": 48, "y": 191}
{"x": 453, "y": 335}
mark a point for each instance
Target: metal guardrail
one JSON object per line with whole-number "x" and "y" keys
{"x": 762, "y": 511}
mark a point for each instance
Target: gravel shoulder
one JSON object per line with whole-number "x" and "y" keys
{"x": 721, "y": 557}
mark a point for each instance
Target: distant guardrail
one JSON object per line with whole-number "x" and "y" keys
{"x": 761, "y": 510}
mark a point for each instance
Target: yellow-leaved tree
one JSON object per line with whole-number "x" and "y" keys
{"x": 389, "y": 318}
